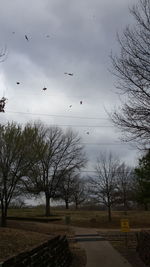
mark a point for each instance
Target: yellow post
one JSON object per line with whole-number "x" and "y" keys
{"x": 125, "y": 228}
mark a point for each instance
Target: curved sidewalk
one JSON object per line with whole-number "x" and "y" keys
{"x": 99, "y": 252}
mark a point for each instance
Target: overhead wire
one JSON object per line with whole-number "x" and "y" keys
{"x": 79, "y": 126}
{"x": 82, "y": 126}
{"x": 56, "y": 115}
{"x": 64, "y": 116}
{"x": 94, "y": 171}
{"x": 103, "y": 144}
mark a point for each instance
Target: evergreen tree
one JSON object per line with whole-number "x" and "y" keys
{"x": 143, "y": 180}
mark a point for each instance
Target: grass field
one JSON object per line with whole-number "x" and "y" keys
{"x": 20, "y": 235}
{"x": 84, "y": 218}
{"x": 14, "y": 241}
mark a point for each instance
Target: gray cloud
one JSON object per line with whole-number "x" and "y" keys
{"x": 81, "y": 37}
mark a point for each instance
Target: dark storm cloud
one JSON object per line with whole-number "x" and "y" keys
{"x": 64, "y": 36}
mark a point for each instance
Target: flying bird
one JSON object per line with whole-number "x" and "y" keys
{"x": 70, "y": 106}
{"x": 81, "y": 102}
{"x": 27, "y": 38}
{"x": 87, "y": 133}
{"x": 17, "y": 82}
{"x": 70, "y": 74}
{"x": 47, "y": 36}
{"x": 13, "y": 32}
{"x": 44, "y": 88}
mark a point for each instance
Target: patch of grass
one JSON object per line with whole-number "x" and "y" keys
{"x": 21, "y": 236}
{"x": 24, "y": 234}
{"x": 35, "y": 212}
{"x": 14, "y": 241}
{"x": 99, "y": 219}
{"x": 84, "y": 218}
{"x": 44, "y": 228}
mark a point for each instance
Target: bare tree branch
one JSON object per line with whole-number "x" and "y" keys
{"x": 104, "y": 186}
{"x": 132, "y": 69}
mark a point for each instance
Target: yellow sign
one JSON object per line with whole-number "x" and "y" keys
{"x": 125, "y": 225}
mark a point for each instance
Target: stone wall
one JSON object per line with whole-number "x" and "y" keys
{"x": 53, "y": 253}
{"x": 143, "y": 247}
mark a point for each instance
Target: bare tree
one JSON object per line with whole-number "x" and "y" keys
{"x": 132, "y": 68}
{"x": 79, "y": 194}
{"x": 125, "y": 184}
{"x": 62, "y": 153}
{"x": 104, "y": 185}
{"x": 17, "y": 203}
{"x": 66, "y": 188}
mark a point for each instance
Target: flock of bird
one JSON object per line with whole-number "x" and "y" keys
{"x": 45, "y": 88}
{"x": 3, "y": 99}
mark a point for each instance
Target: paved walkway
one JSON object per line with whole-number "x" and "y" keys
{"x": 99, "y": 252}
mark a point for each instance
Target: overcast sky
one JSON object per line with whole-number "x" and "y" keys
{"x": 64, "y": 36}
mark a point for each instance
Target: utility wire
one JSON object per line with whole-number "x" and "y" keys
{"x": 101, "y": 144}
{"x": 67, "y": 125}
{"x": 117, "y": 172}
{"x": 82, "y": 126}
{"x": 54, "y": 115}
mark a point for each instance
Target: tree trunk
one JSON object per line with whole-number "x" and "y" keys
{"x": 3, "y": 215}
{"x": 76, "y": 205}
{"x": 3, "y": 220}
{"x": 67, "y": 204}
{"x": 47, "y": 208}
{"x": 145, "y": 206}
{"x": 109, "y": 214}
{"x": 125, "y": 206}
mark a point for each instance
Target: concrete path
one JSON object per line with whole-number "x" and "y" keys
{"x": 99, "y": 252}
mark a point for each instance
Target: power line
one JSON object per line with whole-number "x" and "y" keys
{"x": 117, "y": 172}
{"x": 105, "y": 143}
{"x": 55, "y": 95}
{"x": 67, "y": 125}
{"x": 54, "y": 115}
{"x": 82, "y": 126}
